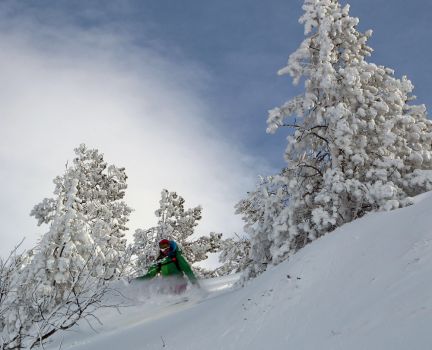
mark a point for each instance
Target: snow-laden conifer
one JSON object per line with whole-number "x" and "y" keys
{"x": 64, "y": 279}
{"x": 234, "y": 256}
{"x": 52, "y": 287}
{"x": 65, "y": 250}
{"x": 144, "y": 249}
{"x": 89, "y": 200}
{"x": 174, "y": 221}
{"x": 357, "y": 142}
{"x": 178, "y": 224}
{"x": 262, "y": 210}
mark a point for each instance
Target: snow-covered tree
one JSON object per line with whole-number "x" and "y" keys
{"x": 144, "y": 249}
{"x": 11, "y": 330}
{"x": 357, "y": 142}
{"x": 35, "y": 310}
{"x": 174, "y": 221}
{"x": 9, "y": 268}
{"x": 234, "y": 256}
{"x": 44, "y": 211}
{"x": 261, "y": 210}
{"x": 88, "y": 211}
{"x": 199, "y": 249}
{"x": 65, "y": 279}
{"x": 178, "y": 224}
{"x": 65, "y": 250}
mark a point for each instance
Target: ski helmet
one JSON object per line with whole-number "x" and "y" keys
{"x": 164, "y": 244}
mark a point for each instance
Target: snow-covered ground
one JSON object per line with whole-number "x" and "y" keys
{"x": 365, "y": 286}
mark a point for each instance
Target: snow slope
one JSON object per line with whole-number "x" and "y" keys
{"x": 367, "y": 286}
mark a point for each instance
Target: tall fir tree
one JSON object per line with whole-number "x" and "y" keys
{"x": 357, "y": 142}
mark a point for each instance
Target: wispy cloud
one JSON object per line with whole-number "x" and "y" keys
{"x": 61, "y": 86}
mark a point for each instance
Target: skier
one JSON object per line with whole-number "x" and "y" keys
{"x": 171, "y": 264}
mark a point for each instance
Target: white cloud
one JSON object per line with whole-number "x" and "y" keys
{"x": 64, "y": 86}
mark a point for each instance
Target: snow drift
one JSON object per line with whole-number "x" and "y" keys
{"x": 367, "y": 286}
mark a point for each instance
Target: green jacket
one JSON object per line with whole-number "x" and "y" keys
{"x": 172, "y": 265}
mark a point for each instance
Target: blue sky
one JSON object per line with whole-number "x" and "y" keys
{"x": 242, "y": 44}
{"x": 176, "y": 91}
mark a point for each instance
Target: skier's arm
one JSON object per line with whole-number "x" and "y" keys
{"x": 152, "y": 272}
{"x": 185, "y": 267}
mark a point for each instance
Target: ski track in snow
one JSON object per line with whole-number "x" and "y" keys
{"x": 366, "y": 286}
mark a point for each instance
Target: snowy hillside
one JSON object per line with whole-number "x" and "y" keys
{"x": 367, "y": 286}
